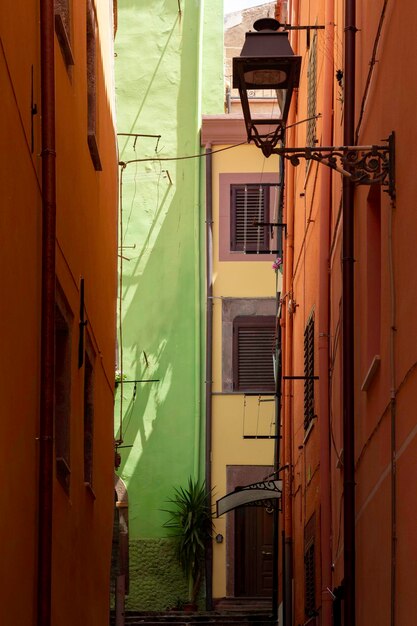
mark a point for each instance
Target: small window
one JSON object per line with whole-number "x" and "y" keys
{"x": 88, "y": 419}
{"x": 92, "y": 86}
{"x": 253, "y": 353}
{"x": 62, "y": 396}
{"x": 310, "y": 568}
{"x": 309, "y": 372}
{"x": 249, "y": 211}
{"x": 63, "y": 29}
{"x": 312, "y": 94}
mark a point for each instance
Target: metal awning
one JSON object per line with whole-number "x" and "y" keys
{"x": 257, "y": 494}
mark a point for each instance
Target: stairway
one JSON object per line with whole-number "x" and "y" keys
{"x": 228, "y": 612}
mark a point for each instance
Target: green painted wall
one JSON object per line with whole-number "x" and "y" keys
{"x": 169, "y": 70}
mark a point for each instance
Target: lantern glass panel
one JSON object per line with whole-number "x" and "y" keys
{"x": 265, "y": 77}
{"x": 277, "y": 97}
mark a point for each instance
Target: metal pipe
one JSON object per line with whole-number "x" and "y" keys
{"x": 44, "y": 573}
{"x": 209, "y": 359}
{"x": 393, "y": 412}
{"x": 287, "y": 553}
{"x": 323, "y": 324}
{"x": 348, "y": 326}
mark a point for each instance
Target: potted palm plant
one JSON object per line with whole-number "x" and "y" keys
{"x": 191, "y": 523}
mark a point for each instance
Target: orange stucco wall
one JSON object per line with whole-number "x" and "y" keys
{"x": 86, "y": 247}
{"x": 389, "y": 106}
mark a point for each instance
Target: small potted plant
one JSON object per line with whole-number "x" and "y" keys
{"x": 191, "y": 523}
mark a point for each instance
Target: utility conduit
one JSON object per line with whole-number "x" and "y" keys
{"x": 44, "y": 574}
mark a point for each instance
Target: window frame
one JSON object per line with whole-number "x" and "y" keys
{"x": 226, "y": 180}
{"x": 236, "y": 245}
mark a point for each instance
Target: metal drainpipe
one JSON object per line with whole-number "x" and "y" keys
{"x": 287, "y": 558}
{"x": 348, "y": 326}
{"x": 324, "y": 315}
{"x": 277, "y": 433}
{"x": 48, "y": 314}
{"x": 287, "y": 549}
{"x": 209, "y": 359}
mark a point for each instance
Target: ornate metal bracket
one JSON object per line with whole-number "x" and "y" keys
{"x": 258, "y": 494}
{"x": 364, "y": 165}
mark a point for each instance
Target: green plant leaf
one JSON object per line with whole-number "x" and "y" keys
{"x": 191, "y": 524}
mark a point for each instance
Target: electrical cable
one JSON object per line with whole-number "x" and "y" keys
{"x": 371, "y": 69}
{"x": 120, "y": 438}
{"x": 123, "y": 164}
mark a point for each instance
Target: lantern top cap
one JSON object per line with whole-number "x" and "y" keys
{"x": 266, "y": 23}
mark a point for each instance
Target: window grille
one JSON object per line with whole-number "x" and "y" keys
{"x": 253, "y": 352}
{"x": 309, "y": 372}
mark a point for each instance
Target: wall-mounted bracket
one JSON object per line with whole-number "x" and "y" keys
{"x": 364, "y": 165}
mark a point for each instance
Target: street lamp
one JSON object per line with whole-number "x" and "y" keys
{"x": 267, "y": 66}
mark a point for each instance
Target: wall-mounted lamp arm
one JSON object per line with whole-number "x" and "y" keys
{"x": 364, "y": 165}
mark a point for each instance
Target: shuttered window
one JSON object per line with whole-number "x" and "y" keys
{"x": 310, "y": 567}
{"x": 63, "y": 29}
{"x": 312, "y": 94}
{"x": 310, "y": 591}
{"x": 88, "y": 419}
{"x": 92, "y": 75}
{"x": 253, "y": 350}
{"x": 62, "y": 396}
{"x": 249, "y": 204}
{"x": 309, "y": 372}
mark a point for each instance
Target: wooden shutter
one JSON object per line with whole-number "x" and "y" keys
{"x": 249, "y": 204}
{"x": 309, "y": 372}
{"x": 253, "y": 350}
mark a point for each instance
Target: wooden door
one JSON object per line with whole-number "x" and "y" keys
{"x": 253, "y": 552}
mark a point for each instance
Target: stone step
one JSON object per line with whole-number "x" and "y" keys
{"x": 238, "y": 621}
{"x": 244, "y": 605}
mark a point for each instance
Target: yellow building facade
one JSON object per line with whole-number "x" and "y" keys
{"x": 242, "y": 288}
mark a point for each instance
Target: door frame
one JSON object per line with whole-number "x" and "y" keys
{"x": 237, "y": 475}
